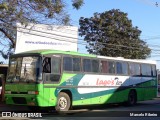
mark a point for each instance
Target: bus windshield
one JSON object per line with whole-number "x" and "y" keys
{"x": 24, "y": 69}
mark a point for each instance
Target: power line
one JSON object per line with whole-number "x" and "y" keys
{"x": 47, "y": 33}
{"x": 82, "y": 43}
{"x": 68, "y": 36}
{"x": 158, "y": 37}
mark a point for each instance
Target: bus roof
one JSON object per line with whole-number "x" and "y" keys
{"x": 128, "y": 60}
{"x": 45, "y": 52}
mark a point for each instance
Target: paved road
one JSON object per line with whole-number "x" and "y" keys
{"x": 146, "y": 110}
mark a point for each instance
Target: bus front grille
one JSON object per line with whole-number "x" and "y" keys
{"x": 19, "y": 92}
{"x": 19, "y": 100}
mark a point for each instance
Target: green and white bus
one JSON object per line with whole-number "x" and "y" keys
{"x": 59, "y": 79}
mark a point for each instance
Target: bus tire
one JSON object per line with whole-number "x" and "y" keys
{"x": 63, "y": 102}
{"x": 132, "y": 98}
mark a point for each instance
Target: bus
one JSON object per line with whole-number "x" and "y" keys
{"x": 64, "y": 79}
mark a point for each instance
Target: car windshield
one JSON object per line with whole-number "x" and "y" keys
{"x": 24, "y": 69}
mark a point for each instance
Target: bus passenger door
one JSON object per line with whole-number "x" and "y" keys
{"x": 51, "y": 75}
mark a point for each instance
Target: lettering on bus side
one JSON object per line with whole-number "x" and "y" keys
{"x": 105, "y": 82}
{"x": 116, "y": 81}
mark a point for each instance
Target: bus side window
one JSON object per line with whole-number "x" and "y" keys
{"x": 122, "y": 68}
{"x": 56, "y": 65}
{"x": 76, "y": 64}
{"x": 134, "y": 69}
{"x": 146, "y": 69}
{"x": 86, "y": 65}
{"x": 56, "y": 69}
{"x": 154, "y": 72}
{"x": 111, "y": 67}
{"x": 95, "y": 66}
{"x": 118, "y": 68}
{"x": 125, "y": 68}
{"x": 55, "y": 72}
{"x": 67, "y": 63}
{"x": 104, "y": 67}
{"x": 47, "y": 65}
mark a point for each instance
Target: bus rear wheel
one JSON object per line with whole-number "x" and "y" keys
{"x": 132, "y": 98}
{"x": 63, "y": 102}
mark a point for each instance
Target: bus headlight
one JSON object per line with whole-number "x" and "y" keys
{"x": 7, "y": 92}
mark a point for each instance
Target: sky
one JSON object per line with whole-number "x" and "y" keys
{"x": 145, "y": 14}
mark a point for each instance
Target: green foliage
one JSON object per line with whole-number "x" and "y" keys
{"x": 77, "y": 3}
{"x": 3, "y": 6}
{"x": 30, "y": 11}
{"x": 111, "y": 34}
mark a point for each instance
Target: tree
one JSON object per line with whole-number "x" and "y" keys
{"x": 111, "y": 34}
{"x": 29, "y": 11}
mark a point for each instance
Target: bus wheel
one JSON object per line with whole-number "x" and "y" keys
{"x": 63, "y": 102}
{"x": 132, "y": 98}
